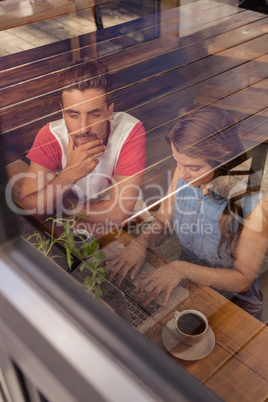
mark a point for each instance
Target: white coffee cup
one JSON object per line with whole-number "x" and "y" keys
{"x": 192, "y": 325}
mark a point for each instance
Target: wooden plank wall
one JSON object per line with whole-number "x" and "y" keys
{"x": 14, "y": 14}
{"x": 177, "y": 60}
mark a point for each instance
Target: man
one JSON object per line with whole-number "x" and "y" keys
{"x": 91, "y": 149}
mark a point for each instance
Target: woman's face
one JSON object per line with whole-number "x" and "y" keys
{"x": 192, "y": 168}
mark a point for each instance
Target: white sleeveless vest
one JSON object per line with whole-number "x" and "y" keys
{"x": 94, "y": 183}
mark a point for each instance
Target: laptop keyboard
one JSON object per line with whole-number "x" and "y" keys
{"x": 137, "y": 313}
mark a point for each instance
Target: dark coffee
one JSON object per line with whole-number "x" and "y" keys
{"x": 81, "y": 237}
{"x": 191, "y": 324}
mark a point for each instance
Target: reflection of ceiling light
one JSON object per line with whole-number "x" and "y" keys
{"x": 40, "y": 1}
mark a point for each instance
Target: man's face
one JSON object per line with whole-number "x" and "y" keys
{"x": 86, "y": 114}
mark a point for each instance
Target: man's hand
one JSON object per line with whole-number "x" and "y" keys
{"x": 130, "y": 259}
{"x": 82, "y": 160}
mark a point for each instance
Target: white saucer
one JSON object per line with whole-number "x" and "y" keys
{"x": 171, "y": 340}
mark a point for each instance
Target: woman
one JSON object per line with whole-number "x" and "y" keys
{"x": 221, "y": 224}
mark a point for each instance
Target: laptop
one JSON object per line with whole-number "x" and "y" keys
{"x": 121, "y": 300}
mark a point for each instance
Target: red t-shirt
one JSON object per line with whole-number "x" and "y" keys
{"x": 46, "y": 151}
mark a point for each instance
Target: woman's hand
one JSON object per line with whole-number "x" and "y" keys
{"x": 130, "y": 259}
{"x": 162, "y": 280}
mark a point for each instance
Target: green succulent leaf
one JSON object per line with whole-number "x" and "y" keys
{"x": 89, "y": 248}
{"x": 87, "y": 284}
{"x": 82, "y": 266}
{"x": 69, "y": 257}
{"x": 97, "y": 291}
{"x": 98, "y": 256}
{"x": 97, "y": 274}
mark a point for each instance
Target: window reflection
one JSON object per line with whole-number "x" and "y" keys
{"x": 183, "y": 222}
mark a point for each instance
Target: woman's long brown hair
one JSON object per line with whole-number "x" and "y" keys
{"x": 211, "y": 134}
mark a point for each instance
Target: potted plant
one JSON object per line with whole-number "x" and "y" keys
{"x": 77, "y": 243}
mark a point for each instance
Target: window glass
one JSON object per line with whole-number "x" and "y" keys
{"x": 136, "y": 148}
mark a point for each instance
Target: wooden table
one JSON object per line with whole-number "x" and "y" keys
{"x": 237, "y": 368}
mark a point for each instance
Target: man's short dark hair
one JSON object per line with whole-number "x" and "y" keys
{"x": 86, "y": 74}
